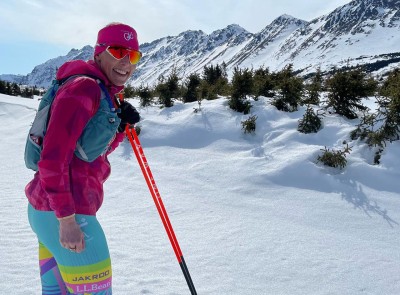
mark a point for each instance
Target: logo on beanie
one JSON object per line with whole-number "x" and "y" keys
{"x": 129, "y": 36}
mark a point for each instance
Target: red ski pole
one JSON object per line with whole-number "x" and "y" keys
{"x": 144, "y": 166}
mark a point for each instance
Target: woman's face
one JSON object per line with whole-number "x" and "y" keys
{"x": 117, "y": 71}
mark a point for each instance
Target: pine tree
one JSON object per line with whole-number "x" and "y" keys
{"x": 382, "y": 125}
{"x": 15, "y": 89}
{"x": 8, "y": 88}
{"x": 129, "y": 91}
{"x": 391, "y": 86}
{"x": 314, "y": 89}
{"x": 310, "y": 123}
{"x": 249, "y": 125}
{"x": 263, "y": 83}
{"x": 168, "y": 90}
{"x": 192, "y": 88}
{"x": 3, "y": 88}
{"x": 242, "y": 85}
{"x": 389, "y": 106}
{"x": 211, "y": 74}
{"x": 27, "y": 92}
{"x": 290, "y": 90}
{"x": 334, "y": 158}
{"x": 36, "y": 91}
{"x": 347, "y": 88}
{"x": 214, "y": 82}
{"x": 145, "y": 95}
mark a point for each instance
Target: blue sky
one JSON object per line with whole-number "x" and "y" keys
{"x": 33, "y": 31}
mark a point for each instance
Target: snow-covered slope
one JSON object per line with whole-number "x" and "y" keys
{"x": 254, "y": 214}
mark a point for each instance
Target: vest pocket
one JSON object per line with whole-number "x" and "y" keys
{"x": 33, "y": 149}
{"x": 98, "y": 133}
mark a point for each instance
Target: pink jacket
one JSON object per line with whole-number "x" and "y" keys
{"x": 64, "y": 183}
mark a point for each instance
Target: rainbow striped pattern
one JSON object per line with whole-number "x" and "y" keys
{"x": 81, "y": 280}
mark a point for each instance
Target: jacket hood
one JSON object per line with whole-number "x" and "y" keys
{"x": 89, "y": 68}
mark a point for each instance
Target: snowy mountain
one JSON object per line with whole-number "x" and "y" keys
{"x": 189, "y": 52}
{"x": 43, "y": 74}
{"x": 355, "y": 33}
{"x": 262, "y": 44}
{"x": 361, "y": 32}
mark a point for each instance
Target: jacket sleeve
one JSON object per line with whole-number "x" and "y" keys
{"x": 119, "y": 137}
{"x": 75, "y": 104}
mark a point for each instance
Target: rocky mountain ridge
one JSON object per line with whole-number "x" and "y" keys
{"x": 361, "y": 32}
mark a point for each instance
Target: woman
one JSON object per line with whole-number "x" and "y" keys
{"x": 67, "y": 191}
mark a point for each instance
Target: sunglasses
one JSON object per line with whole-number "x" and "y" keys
{"x": 121, "y": 52}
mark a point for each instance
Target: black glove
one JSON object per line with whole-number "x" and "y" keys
{"x": 128, "y": 115}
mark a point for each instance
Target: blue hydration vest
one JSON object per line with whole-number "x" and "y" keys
{"x": 95, "y": 138}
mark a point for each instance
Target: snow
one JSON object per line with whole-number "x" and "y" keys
{"x": 253, "y": 214}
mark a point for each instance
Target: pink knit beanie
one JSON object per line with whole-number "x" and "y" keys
{"x": 116, "y": 34}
